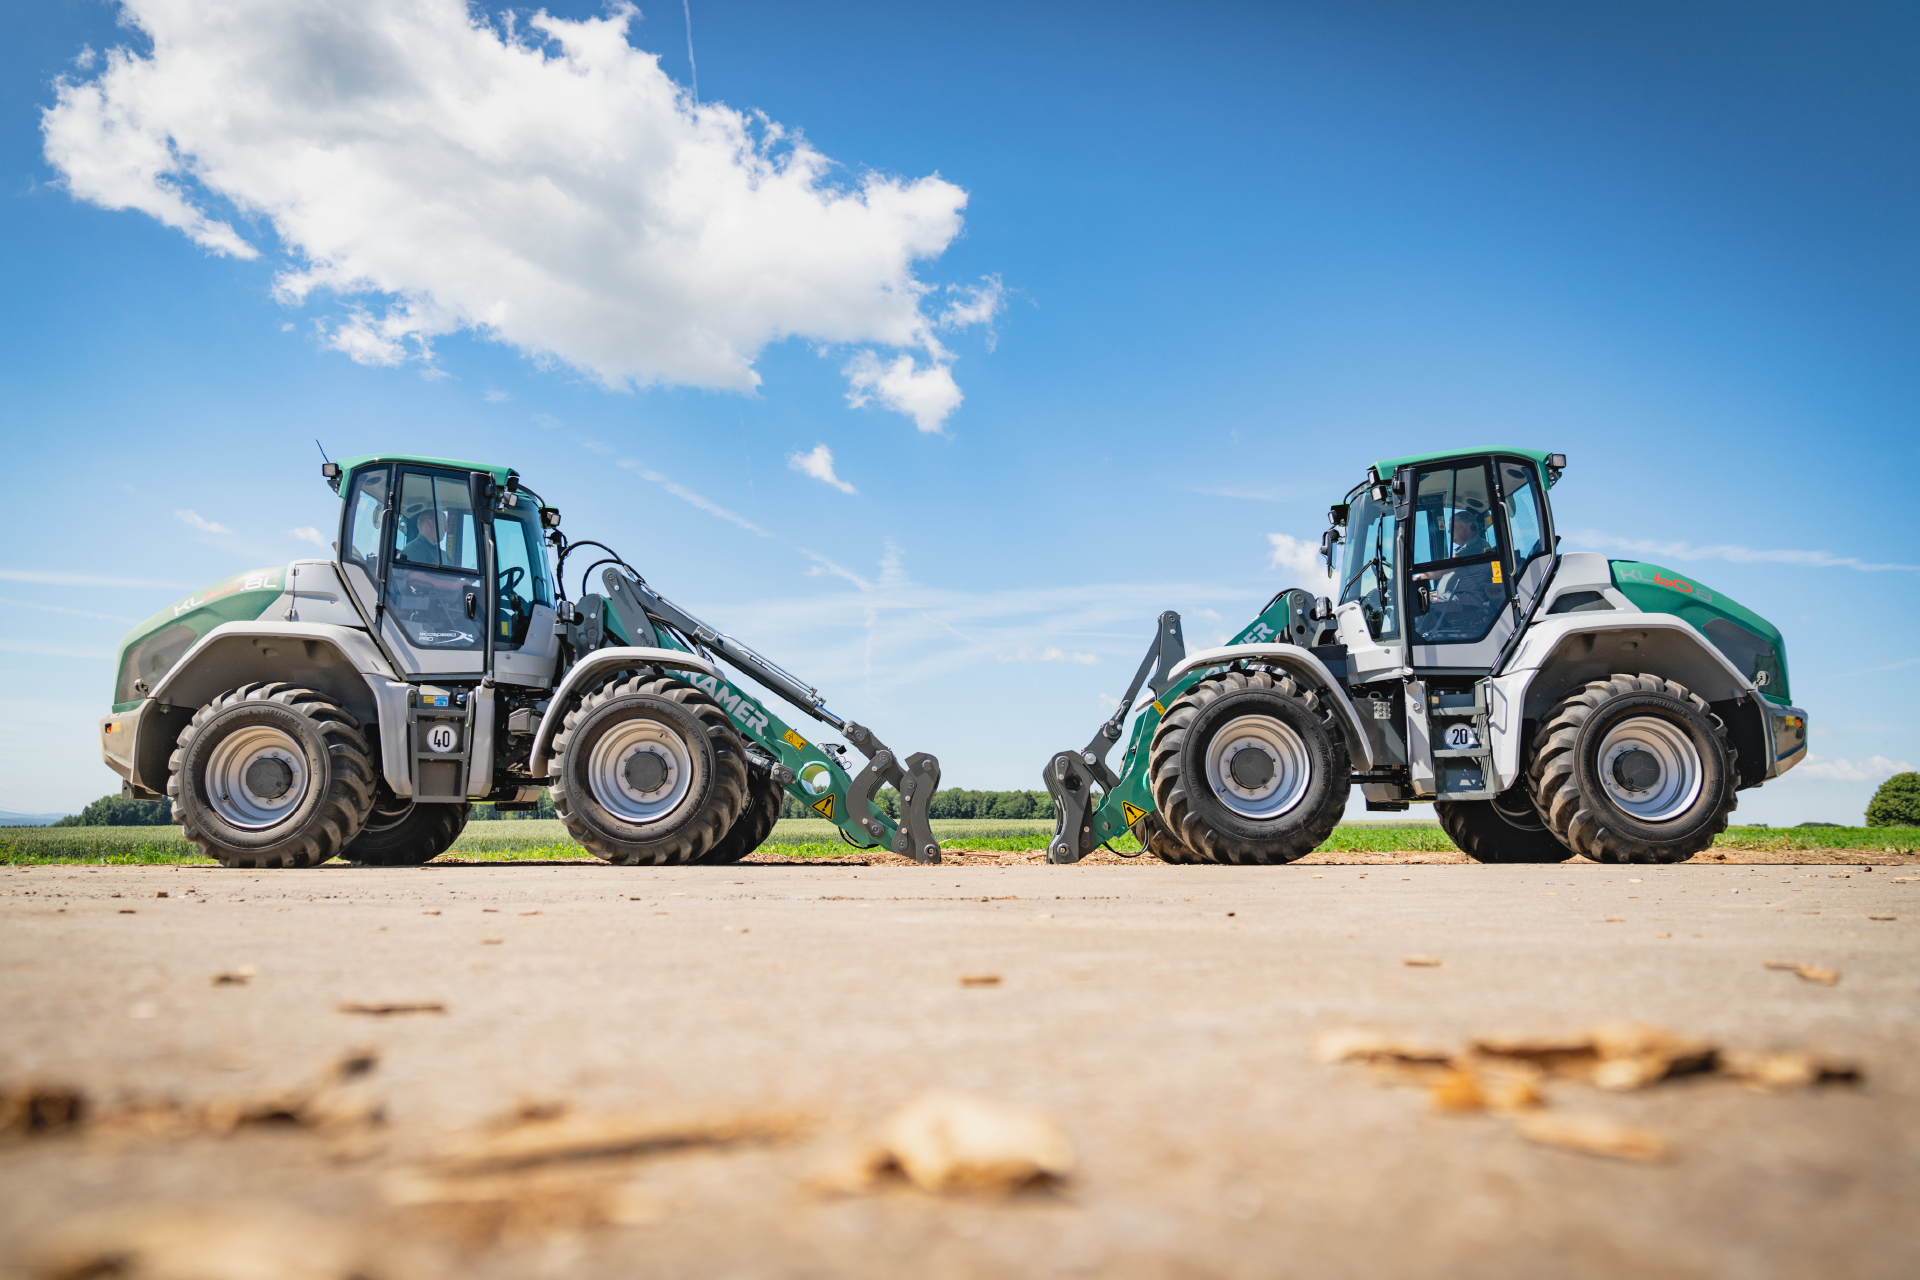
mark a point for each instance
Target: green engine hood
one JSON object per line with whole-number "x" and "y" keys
{"x": 147, "y": 651}
{"x": 1748, "y": 640}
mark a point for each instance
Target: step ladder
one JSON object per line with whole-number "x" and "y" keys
{"x": 1462, "y": 746}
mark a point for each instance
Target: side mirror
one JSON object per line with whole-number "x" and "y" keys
{"x": 1328, "y": 541}
{"x": 549, "y": 517}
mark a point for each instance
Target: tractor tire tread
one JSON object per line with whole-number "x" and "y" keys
{"x": 1579, "y": 824}
{"x": 729, "y": 792}
{"x": 342, "y": 810}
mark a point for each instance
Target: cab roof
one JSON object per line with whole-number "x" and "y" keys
{"x": 349, "y": 465}
{"x": 1387, "y": 466}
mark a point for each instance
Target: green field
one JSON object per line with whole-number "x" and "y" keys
{"x": 813, "y": 838}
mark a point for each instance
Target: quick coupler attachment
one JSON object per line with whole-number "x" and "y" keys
{"x": 916, "y": 779}
{"x": 915, "y": 839}
{"x": 1071, "y": 781}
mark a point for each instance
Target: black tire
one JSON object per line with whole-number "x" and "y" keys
{"x": 1592, "y": 817}
{"x": 1155, "y": 838}
{"x": 1505, "y": 829}
{"x": 400, "y": 833}
{"x": 267, "y": 735}
{"x": 1311, "y": 790}
{"x": 755, "y": 823}
{"x": 616, "y": 823}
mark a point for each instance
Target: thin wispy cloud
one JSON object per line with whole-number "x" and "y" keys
{"x": 687, "y": 495}
{"x": 1051, "y": 653}
{"x": 1734, "y": 553}
{"x": 307, "y": 533}
{"x": 1874, "y": 768}
{"x": 194, "y": 520}
{"x": 608, "y": 220}
{"x": 819, "y": 465}
{"x": 497, "y": 397}
{"x": 56, "y": 649}
{"x": 61, "y": 578}
{"x": 62, "y": 609}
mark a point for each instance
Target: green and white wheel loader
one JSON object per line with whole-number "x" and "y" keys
{"x": 1546, "y": 704}
{"x": 356, "y": 707}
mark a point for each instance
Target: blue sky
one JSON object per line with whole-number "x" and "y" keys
{"x": 1220, "y": 258}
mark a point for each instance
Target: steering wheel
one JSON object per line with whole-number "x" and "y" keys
{"x": 512, "y": 578}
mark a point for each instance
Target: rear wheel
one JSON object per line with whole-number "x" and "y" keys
{"x": 400, "y": 833}
{"x": 755, "y": 823}
{"x": 271, "y": 776}
{"x": 1248, "y": 767}
{"x": 1155, "y": 838}
{"x": 648, "y": 770}
{"x": 1634, "y": 769}
{"x": 1506, "y": 828}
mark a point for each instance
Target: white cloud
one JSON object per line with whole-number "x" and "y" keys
{"x": 538, "y": 181}
{"x": 200, "y": 522}
{"x": 1871, "y": 769}
{"x": 687, "y": 495}
{"x": 1301, "y": 559}
{"x": 1026, "y": 653}
{"x": 1732, "y": 552}
{"x": 975, "y": 304}
{"x": 819, "y": 465}
{"x": 309, "y": 534}
{"x": 926, "y": 393}
{"x": 498, "y": 397}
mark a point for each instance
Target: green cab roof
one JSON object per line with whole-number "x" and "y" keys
{"x": 349, "y": 465}
{"x": 1386, "y": 467}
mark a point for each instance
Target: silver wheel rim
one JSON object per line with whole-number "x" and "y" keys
{"x": 1292, "y": 770}
{"x": 1680, "y": 771}
{"x": 607, "y": 771}
{"x": 229, "y": 791}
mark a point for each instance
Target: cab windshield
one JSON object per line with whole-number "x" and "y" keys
{"x": 1366, "y": 574}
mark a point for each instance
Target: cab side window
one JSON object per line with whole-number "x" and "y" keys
{"x": 365, "y": 503}
{"x": 1522, "y": 502}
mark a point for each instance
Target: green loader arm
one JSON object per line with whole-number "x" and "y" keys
{"x": 631, "y": 613}
{"x": 1094, "y": 803}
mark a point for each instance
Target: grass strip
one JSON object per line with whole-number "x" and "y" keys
{"x": 807, "y": 838}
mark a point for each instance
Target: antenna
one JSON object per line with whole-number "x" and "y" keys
{"x": 323, "y": 451}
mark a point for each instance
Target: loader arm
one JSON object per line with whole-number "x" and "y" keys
{"x": 635, "y": 614}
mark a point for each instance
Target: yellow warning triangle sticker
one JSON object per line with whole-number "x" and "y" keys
{"x": 1133, "y": 811}
{"x": 824, "y": 805}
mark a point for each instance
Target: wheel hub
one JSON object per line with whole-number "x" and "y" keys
{"x": 645, "y": 772}
{"x": 269, "y": 777}
{"x": 1636, "y": 770}
{"x": 1258, "y": 767}
{"x": 1252, "y": 768}
{"x": 640, "y": 770}
{"x": 256, "y": 776}
{"x": 1650, "y": 768}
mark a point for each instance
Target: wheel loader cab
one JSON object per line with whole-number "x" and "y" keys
{"x": 415, "y": 551}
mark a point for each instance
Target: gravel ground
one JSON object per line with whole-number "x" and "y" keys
{"x": 724, "y": 1036}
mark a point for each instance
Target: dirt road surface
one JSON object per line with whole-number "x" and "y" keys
{"x": 700, "y": 1053}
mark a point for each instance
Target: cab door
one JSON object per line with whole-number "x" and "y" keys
{"x": 1476, "y": 541}
{"x": 411, "y": 554}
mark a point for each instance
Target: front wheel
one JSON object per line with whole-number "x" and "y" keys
{"x": 1156, "y": 839}
{"x": 271, "y": 776}
{"x": 1506, "y": 828}
{"x": 1634, "y": 769}
{"x": 1248, "y": 767}
{"x": 648, "y": 770}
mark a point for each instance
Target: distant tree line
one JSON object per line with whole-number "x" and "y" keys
{"x": 118, "y": 811}
{"x": 484, "y": 812}
{"x": 954, "y": 802}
